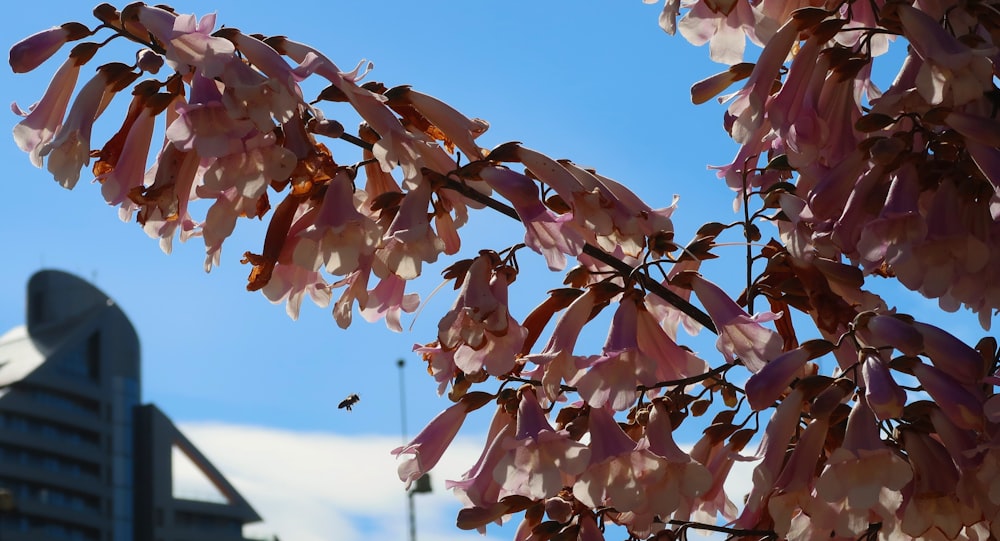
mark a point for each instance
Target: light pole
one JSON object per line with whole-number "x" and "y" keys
{"x": 423, "y": 484}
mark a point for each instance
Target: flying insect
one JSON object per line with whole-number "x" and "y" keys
{"x": 349, "y": 402}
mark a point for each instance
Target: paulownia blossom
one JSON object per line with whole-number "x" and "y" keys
{"x": 870, "y": 423}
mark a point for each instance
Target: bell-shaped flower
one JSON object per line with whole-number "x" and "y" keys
{"x": 964, "y": 408}
{"x": 672, "y": 487}
{"x": 637, "y": 352}
{"x": 864, "y": 475}
{"x": 69, "y": 149}
{"x": 747, "y": 106}
{"x": 281, "y": 280}
{"x": 44, "y": 118}
{"x": 355, "y": 287}
{"x": 220, "y": 219}
{"x": 723, "y": 24}
{"x": 260, "y": 97}
{"x": 766, "y": 386}
{"x": 780, "y": 430}
{"x": 189, "y": 42}
{"x": 556, "y": 359}
{"x": 540, "y": 460}
{"x": 952, "y": 73}
{"x": 795, "y": 484}
{"x": 340, "y": 235}
{"x": 129, "y": 172}
{"x": 718, "y": 456}
{"x": 389, "y": 300}
{"x": 479, "y": 326}
{"x": 546, "y": 232}
{"x": 614, "y": 477}
{"x": 205, "y": 125}
{"x": 896, "y": 332}
{"x": 670, "y": 361}
{"x": 885, "y": 396}
{"x": 950, "y": 354}
{"x": 409, "y": 241}
{"x": 933, "y": 507}
{"x": 456, "y": 128}
{"x": 430, "y": 444}
{"x": 478, "y": 486}
{"x": 741, "y": 336}
{"x": 899, "y": 226}
{"x": 30, "y": 52}
{"x": 395, "y": 146}
{"x": 163, "y": 204}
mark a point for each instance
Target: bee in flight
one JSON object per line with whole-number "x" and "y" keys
{"x": 348, "y": 402}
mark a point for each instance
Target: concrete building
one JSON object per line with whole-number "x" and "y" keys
{"x": 81, "y": 459}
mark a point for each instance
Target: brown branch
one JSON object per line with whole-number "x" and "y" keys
{"x": 768, "y": 534}
{"x": 620, "y": 266}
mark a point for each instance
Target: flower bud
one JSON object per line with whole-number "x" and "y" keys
{"x": 148, "y": 61}
{"x": 30, "y": 52}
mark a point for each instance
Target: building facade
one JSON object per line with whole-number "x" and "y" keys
{"x": 81, "y": 459}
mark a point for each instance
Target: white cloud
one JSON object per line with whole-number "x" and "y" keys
{"x": 318, "y": 486}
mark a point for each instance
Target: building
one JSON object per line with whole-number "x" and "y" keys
{"x": 81, "y": 459}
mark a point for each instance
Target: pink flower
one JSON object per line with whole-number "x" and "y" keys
{"x": 355, "y": 287}
{"x": 431, "y": 443}
{"x": 882, "y": 393}
{"x": 69, "y": 149}
{"x": 767, "y": 385}
{"x": 129, "y": 172}
{"x": 220, "y": 220}
{"x": 478, "y": 486}
{"x": 44, "y": 118}
{"x": 540, "y": 461}
{"x": 456, "y": 127}
{"x": 388, "y": 300}
{"x": 556, "y": 359}
{"x": 863, "y": 475}
{"x": 261, "y": 97}
{"x": 163, "y": 207}
{"x": 950, "y": 354}
{"x": 899, "y": 226}
{"x": 188, "y": 42}
{"x": 30, "y": 52}
{"x": 723, "y": 24}
{"x": 793, "y": 488}
{"x": 672, "y": 486}
{"x": 952, "y": 73}
{"x": 479, "y": 327}
{"x": 204, "y": 124}
{"x": 637, "y": 352}
{"x": 395, "y": 146}
{"x": 546, "y": 232}
{"x": 616, "y": 466}
{"x": 747, "y": 108}
{"x": 288, "y": 282}
{"x": 933, "y": 503}
{"x": 409, "y": 241}
{"x": 741, "y": 336}
{"x": 962, "y": 407}
{"x": 780, "y": 430}
{"x": 340, "y": 235}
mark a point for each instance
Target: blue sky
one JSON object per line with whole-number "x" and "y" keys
{"x": 596, "y": 82}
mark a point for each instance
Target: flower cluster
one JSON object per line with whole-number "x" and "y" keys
{"x": 882, "y": 425}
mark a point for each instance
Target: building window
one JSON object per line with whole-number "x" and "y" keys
{"x": 31, "y": 425}
{"x": 83, "y": 360}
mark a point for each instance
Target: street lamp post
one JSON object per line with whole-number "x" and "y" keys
{"x": 423, "y": 484}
